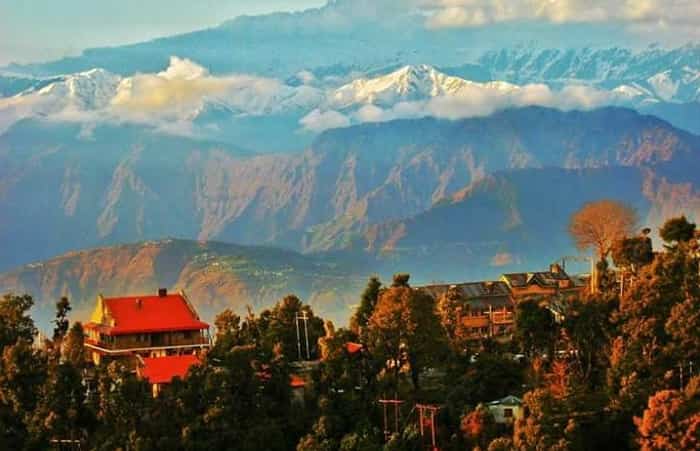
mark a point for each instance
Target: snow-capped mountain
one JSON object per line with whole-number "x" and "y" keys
{"x": 409, "y": 83}
{"x": 249, "y": 110}
{"x": 90, "y": 90}
{"x": 668, "y": 75}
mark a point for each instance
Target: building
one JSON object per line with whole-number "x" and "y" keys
{"x": 160, "y": 371}
{"x": 487, "y": 309}
{"x": 506, "y": 410}
{"x": 147, "y": 326}
{"x": 543, "y": 284}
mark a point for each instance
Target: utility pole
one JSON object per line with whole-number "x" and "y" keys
{"x": 303, "y": 318}
{"x": 427, "y": 421}
{"x": 388, "y": 429}
{"x": 296, "y": 322}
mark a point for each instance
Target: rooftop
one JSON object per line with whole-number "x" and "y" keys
{"x": 162, "y": 370}
{"x": 145, "y": 314}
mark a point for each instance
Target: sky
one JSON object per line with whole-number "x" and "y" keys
{"x": 40, "y": 30}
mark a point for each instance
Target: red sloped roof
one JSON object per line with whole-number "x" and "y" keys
{"x": 353, "y": 347}
{"x": 296, "y": 381}
{"x": 148, "y": 314}
{"x": 162, "y": 370}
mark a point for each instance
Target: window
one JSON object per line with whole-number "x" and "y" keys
{"x": 508, "y": 413}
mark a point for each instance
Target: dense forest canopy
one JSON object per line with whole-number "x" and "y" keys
{"x": 609, "y": 368}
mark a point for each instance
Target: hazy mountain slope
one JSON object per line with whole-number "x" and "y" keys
{"x": 215, "y": 275}
{"x": 516, "y": 221}
{"x": 63, "y": 186}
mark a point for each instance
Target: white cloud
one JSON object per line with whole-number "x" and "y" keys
{"x": 318, "y": 121}
{"x": 485, "y": 99}
{"x": 469, "y": 13}
{"x": 182, "y": 90}
{"x": 170, "y": 99}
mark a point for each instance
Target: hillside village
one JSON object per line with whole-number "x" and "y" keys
{"x": 535, "y": 360}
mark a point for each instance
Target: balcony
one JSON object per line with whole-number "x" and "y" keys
{"x": 138, "y": 342}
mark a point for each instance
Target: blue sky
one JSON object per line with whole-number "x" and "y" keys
{"x": 37, "y": 30}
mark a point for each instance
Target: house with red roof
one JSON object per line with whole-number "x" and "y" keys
{"x": 160, "y": 371}
{"x": 147, "y": 326}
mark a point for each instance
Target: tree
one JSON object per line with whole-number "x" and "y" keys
{"x": 535, "y": 328}
{"x": 677, "y": 230}
{"x": 15, "y": 322}
{"x": 452, "y": 307}
{"x": 671, "y": 420}
{"x": 633, "y": 252}
{"x": 599, "y": 224}
{"x": 22, "y": 370}
{"x": 588, "y": 330}
{"x": 123, "y": 411}
{"x": 405, "y": 329}
{"x": 478, "y": 427}
{"x": 368, "y": 301}
{"x": 74, "y": 349}
{"x": 280, "y": 327}
{"x": 656, "y": 323}
{"x": 61, "y": 322}
{"x": 61, "y": 412}
{"x": 400, "y": 280}
{"x": 547, "y": 424}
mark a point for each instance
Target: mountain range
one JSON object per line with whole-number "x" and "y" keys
{"x": 266, "y": 115}
{"x": 215, "y": 276}
{"x": 338, "y": 139}
{"x": 62, "y": 193}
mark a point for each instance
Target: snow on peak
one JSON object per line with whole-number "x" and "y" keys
{"x": 89, "y": 90}
{"x": 409, "y": 83}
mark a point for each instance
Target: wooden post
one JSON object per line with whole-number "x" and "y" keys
{"x": 387, "y": 427}
{"x": 423, "y": 410}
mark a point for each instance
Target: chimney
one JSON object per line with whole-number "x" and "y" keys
{"x": 162, "y": 292}
{"x": 555, "y": 268}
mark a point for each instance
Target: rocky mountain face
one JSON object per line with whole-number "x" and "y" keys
{"x": 72, "y": 186}
{"x": 215, "y": 276}
{"x": 518, "y": 220}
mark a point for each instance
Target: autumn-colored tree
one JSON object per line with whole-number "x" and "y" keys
{"x": 650, "y": 342}
{"x": 478, "y": 427}
{"x": 501, "y": 444}
{"x": 405, "y": 329}
{"x": 599, "y": 224}
{"x": 671, "y": 421}
{"x": 677, "y": 230}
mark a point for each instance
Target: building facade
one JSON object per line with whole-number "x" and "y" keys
{"x": 542, "y": 284}
{"x": 146, "y": 326}
{"x": 487, "y": 309}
